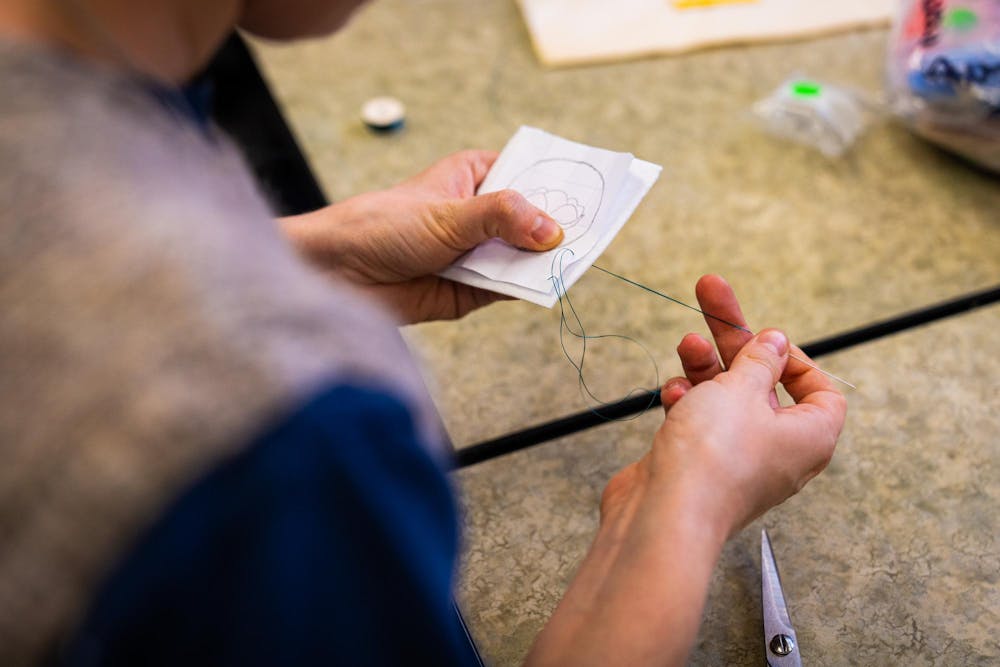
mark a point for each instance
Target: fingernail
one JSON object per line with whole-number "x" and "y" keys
{"x": 775, "y": 340}
{"x": 546, "y": 231}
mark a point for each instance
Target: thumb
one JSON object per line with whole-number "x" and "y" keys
{"x": 762, "y": 361}
{"x": 504, "y": 214}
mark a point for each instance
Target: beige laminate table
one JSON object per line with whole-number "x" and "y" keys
{"x": 891, "y": 556}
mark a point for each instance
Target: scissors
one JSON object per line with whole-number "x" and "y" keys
{"x": 780, "y": 644}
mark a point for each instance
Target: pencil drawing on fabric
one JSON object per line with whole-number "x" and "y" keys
{"x": 590, "y": 192}
{"x": 575, "y": 203}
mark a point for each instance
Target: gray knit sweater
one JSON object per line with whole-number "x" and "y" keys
{"x": 151, "y": 320}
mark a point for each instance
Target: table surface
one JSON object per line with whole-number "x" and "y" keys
{"x": 892, "y": 554}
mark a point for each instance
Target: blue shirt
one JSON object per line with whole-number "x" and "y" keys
{"x": 330, "y": 540}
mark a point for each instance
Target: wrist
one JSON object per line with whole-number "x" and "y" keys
{"x": 300, "y": 230}
{"x": 318, "y": 236}
{"x": 692, "y": 509}
{"x": 638, "y": 596}
{"x": 690, "y": 486}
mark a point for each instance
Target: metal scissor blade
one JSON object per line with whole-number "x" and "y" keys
{"x": 781, "y": 646}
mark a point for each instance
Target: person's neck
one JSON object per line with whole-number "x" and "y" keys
{"x": 168, "y": 40}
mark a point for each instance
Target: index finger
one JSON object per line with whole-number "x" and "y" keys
{"x": 813, "y": 425}
{"x": 802, "y": 381}
{"x": 458, "y": 175}
{"x": 480, "y": 161}
{"x": 723, "y": 316}
{"x": 813, "y": 391}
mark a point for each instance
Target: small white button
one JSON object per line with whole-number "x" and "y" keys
{"x": 383, "y": 113}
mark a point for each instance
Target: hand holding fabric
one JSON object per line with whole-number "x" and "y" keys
{"x": 390, "y": 243}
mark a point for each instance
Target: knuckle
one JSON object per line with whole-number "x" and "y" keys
{"x": 463, "y": 156}
{"x": 446, "y": 226}
{"x": 840, "y": 405}
{"x": 698, "y": 364}
{"x": 758, "y": 358}
{"x": 444, "y": 214}
{"x": 836, "y": 414}
{"x": 507, "y": 204}
{"x": 761, "y": 361}
{"x": 825, "y": 452}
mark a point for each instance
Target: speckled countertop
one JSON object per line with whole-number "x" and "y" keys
{"x": 891, "y": 556}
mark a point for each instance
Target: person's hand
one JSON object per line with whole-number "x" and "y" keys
{"x": 391, "y": 242}
{"x": 725, "y": 453}
{"x": 726, "y": 428}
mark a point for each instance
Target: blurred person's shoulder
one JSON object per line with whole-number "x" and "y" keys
{"x": 155, "y": 323}
{"x": 78, "y": 137}
{"x": 137, "y": 249}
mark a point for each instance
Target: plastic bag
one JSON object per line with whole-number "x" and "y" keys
{"x": 814, "y": 113}
{"x": 943, "y": 71}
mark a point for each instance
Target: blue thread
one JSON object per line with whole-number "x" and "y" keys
{"x": 670, "y": 298}
{"x": 584, "y": 336}
{"x": 564, "y": 325}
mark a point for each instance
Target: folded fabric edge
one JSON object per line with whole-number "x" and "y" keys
{"x": 646, "y": 173}
{"x": 469, "y": 277}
